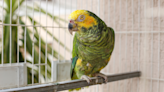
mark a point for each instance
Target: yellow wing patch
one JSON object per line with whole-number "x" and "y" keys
{"x": 79, "y": 62}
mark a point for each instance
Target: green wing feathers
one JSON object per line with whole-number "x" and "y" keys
{"x": 74, "y": 58}
{"x": 112, "y": 33}
{"x": 73, "y": 66}
{"x": 75, "y": 47}
{"x": 112, "y": 38}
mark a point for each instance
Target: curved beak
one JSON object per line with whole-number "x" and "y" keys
{"x": 72, "y": 26}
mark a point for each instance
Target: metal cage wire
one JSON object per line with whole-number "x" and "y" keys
{"x": 138, "y": 38}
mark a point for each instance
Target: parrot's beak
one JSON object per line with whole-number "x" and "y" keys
{"x": 72, "y": 26}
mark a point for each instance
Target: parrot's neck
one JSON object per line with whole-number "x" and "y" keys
{"x": 91, "y": 34}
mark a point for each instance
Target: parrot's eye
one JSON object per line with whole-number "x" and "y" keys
{"x": 81, "y": 18}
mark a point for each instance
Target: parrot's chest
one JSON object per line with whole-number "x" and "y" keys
{"x": 92, "y": 59}
{"x": 94, "y": 56}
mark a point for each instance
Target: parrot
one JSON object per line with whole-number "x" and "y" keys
{"x": 93, "y": 44}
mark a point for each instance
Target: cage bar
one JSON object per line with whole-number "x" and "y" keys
{"x": 98, "y": 9}
{"x": 109, "y": 26}
{"x": 2, "y": 34}
{"x": 31, "y": 25}
{"x": 120, "y": 66}
{"x": 18, "y": 46}
{"x": 114, "y": 54}
{"x": 138, "y": 42}
{"x": 10, "y": 60}
{"x": 46, "y": 46}
{"x": 60, "y": 86}
{"x": 39, "y": 43}
{"x": 65, "y": 34}
{"x": 151, "y": 88}
{"x": 25, "y": 33}
{"x": 132, "y": 62}
{"x": 52, "y": 73}
{"x": 18, "y": 36}
{"x": 144, "y": 68}
{"x": 59, "y": 34}
{"x": 159, "y": 36}
{"x": 32, "y": 43}
{"x": 123, "y": 30}
{"x": 126, "y": 41}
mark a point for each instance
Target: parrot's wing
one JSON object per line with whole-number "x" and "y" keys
{"x": 74, "y": 55}
{"x": 112, "y": 39}
{"x": 75, "y": 47}
{"x": 73, "y": 65}
{"x": 111, "y": 30}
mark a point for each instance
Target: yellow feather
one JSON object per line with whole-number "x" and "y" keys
{"x": 108, "y": 59}
{"x": 78, "y": 62}
{"x": 87, "y": 22}
{"x": 74, "y": 15}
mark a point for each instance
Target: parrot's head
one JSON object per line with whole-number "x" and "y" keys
{"x": 82, "y": 21}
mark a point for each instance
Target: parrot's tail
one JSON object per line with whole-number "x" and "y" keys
{"x": 77, "y": 89}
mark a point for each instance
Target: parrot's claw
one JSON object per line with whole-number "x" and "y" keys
{"x": 88, "y": 79}
{"x": 102, "y": 75}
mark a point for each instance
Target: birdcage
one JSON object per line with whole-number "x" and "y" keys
{"x": 36, "y": 46}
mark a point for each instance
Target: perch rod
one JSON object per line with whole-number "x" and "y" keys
{"x": 60, "y": 86}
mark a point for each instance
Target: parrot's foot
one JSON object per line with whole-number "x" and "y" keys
{"x": 88, "y": 79}
{"x": 102, "y": 75}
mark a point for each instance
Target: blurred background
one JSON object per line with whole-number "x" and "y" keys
{"x": 36, "y": 45}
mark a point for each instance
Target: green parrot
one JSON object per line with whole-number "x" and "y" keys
{"x": 93, "y": 45}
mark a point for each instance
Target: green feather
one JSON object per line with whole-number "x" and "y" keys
{"x": 73, "y": 65}
{"x": 75, "y": 57}
{"x": 75, "y": 47}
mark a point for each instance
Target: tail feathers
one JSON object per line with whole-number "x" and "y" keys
{"x": 77, "y": 89}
